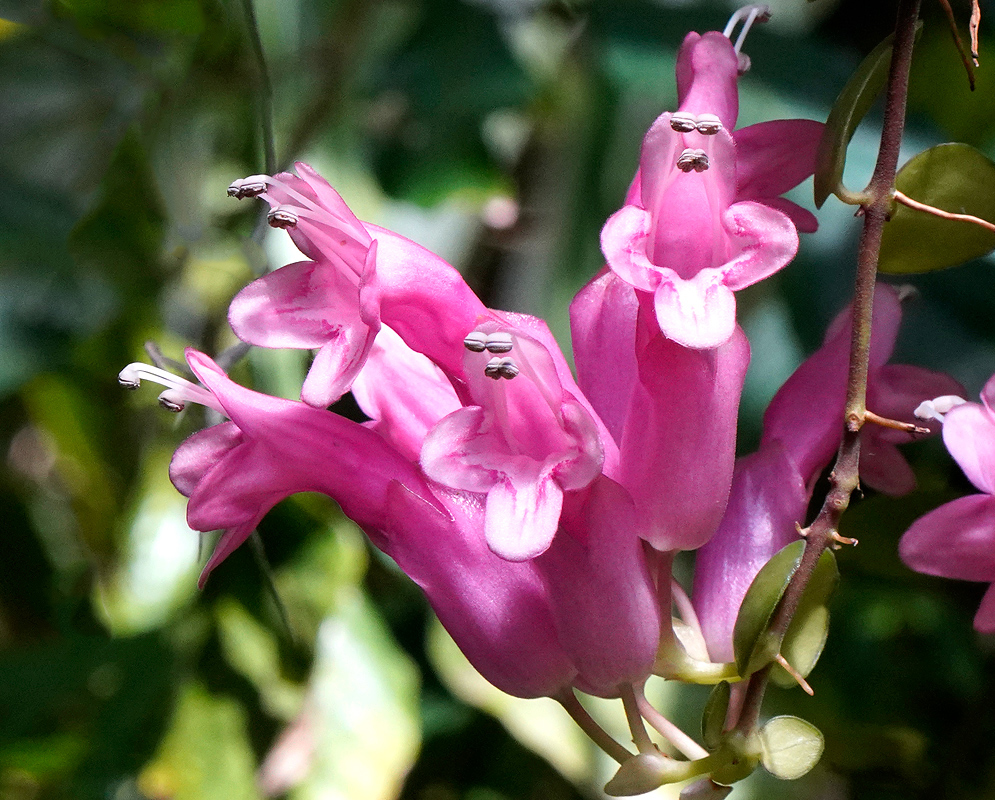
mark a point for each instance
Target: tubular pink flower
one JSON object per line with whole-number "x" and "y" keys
{"x": 703, "y": 218}
{"x": 523, "y": 438}
{"x": 803, "y": 427}
{"x": 957, "y": 540}
{"x": 497, "y": 611}
{"x": 359, "y": 276}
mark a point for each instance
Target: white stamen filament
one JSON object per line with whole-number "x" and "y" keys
{"x": 179, "y": 391}
{"x": 753, "y": 13}
{"x": 938, "y": 407}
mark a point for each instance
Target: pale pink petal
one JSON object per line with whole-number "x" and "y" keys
{"x": 988, "y": 394}
{"x": 956, "y": 540}
{"x": 699, "y": 313}
{"x": 969, "y": 435}
{"x": 455, "y": 454}
{"x": 803, "y": 219}
{"x": 624, "y": 240}
{"x": 523, "y": 513}
{"x": 302, "y": 305}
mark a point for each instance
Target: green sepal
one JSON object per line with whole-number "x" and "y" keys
{"x": 790, "y": 747}
{"x": 849, "y": 109}
{"x": 713, "y": 717}
{"x": 754, "y": 645}
{"x": 951, "y": 177}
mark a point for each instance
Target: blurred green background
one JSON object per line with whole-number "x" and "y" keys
{"x": 500, "y": 133}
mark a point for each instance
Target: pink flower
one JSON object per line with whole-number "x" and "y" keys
{"x": 359, "y": 277}
{"x": 703, "y": 217}
{"x": 957, "y": 540}
{"x": 585, "y": 614}
{"x": 803, "y": 427}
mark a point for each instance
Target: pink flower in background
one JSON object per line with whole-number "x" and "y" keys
{"x": 704, "y": 217}
{"x": 803, "y": 427}
{"x": 957, "y": 540}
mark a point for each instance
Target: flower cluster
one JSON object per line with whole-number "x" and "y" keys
{"x": 540, "y": 513}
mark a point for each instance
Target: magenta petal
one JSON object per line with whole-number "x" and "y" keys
{"x": 707, "y": 72}
{"x": 523, "y": 513}
{"x": 767, "y": 499}
{"x": 336, "y": 366}
{"x": 699, "y": 313}
{"x": 624, "y": 240}
{"x": 969, "y": 435}
{"x": 199, "y": 452}
{"x": 603, "y": 327}
{"x": 984, "y": 620}
{"x": 883, "y": 468}
{"x": 679, "y": 443}
{"x": 775, "y": 156}
{"x": 803, "y": 219}
{"x": 604, "y": 602}
{"x": 230, "y": 541}
{"x": 452, "y": 453}
{"x": 956, "y": 540}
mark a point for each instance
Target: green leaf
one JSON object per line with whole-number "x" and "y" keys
{"x": 754, "y": 645}
{"x": 849, "y": 109}
{"x": 790, "y": 747}
{"x": 714, "y": 716}
{"x": 954, "y": 178}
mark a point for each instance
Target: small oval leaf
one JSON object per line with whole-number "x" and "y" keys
{"x": 951, "y": 177}
{"x": 849, "y": 109}
{"x": 754, "y": 646}
{"x": 790, "y": 747}
{"x": 802, "y": 645}
{"x": 713, "y": 718}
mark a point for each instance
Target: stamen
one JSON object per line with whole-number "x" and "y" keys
{"x": 755, "y": 13}
{"x": 179, "y": 391}
{"x": 683, "y": 122}
{"x": 501, "y": 368}
{"x": 253, "y": 186}
{"x": 692, "y": 159}
{"x": 499, "y": 342}
{"x": 938, "y": 407}
{"x": 281, "y": 217}
{"x": 475, "y": 341}
{"x": 708, "y": 124}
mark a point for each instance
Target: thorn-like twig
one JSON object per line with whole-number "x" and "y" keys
{"x": 960, "y": 43}
{"x": 839, "y": 541}
{"x": 894, "y": 424}
{"x": 794, "y": 674}
{"x": 973, "y": 26}
{"x": 905, "y": 200}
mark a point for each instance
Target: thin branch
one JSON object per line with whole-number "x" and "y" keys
{"x": 265, "y": 88}
{"x": 905, "y": 200}
{"x": 958, "y": 41}
{"x": 894, "y": 424}
{"x": 639, "y": 735}
{"x": 844, "y": 478}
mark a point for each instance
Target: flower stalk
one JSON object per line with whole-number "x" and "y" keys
{"x": 845, "y": 476}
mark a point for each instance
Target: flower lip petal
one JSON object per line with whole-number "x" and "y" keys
{"x": 699, "y": 313}
{"x": 969, "y": 435}
{"x": 956, "y": 540}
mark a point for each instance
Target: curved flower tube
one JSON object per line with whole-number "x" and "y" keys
{"x": 803, "y": 427}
